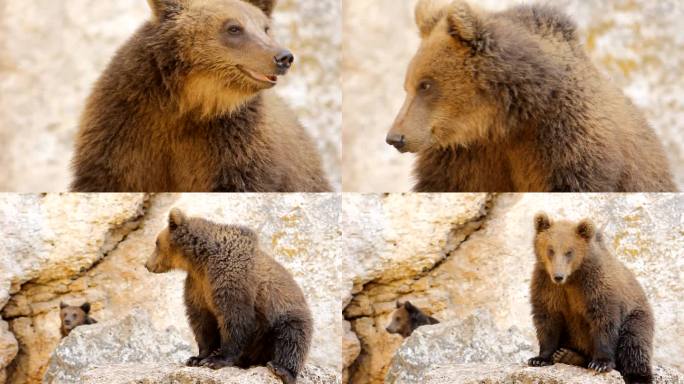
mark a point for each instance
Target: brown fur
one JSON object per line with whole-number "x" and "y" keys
{"x": 177, "y": 109}
{"x": 244, "y": 307}
{"x": 509, "y": 101}
{"x": 73, "y": 316}
{"x": 406, "y": 318}
{"x": 588, "y": 308}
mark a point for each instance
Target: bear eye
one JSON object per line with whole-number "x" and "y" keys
{"x": 156, "y": 243}
{"x": 234, "y": 30}
{"x": 424, "y": 86}
{"x": 568, "y": 254}
{"x": 551, "y": 252}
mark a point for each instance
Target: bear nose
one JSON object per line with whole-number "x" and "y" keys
{"x": 558, "y": 278}
{"x": 396, "y": 140}
{"x": 284, "y": 59}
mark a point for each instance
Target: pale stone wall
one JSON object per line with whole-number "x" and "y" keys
{"x": 639, "y": 44}
{"x": 51, "y": 52}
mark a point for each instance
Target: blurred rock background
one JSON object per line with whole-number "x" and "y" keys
{"x": 468, "y": 259}
{"x": 92, "y": 247}
{"x": 51, "y": 52}
{"x": 639, "y": 44}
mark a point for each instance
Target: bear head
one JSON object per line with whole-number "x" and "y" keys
{"x": 225, "y": 50}
{"x": 73, "y": 316}
{"x": 561, "y": 247}
{"x": 444, "y": 105}
{"x": 168, "y": 254}
{"x": 401, "y": 321}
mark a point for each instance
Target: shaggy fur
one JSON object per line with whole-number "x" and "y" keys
{"x": 73, "y": 316}
{"x": 509, "y": 101}
{"x": 244, "y": 307}
{"x": 406, "y": 318}
{"x": 588, "y": 308}
{"x": 177, "y": 111}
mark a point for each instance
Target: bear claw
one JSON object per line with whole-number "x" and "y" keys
{"x": 216, "y": 362}
{"x": 602, "y": 366}
{"x": 282, "y": 373}
{"x": 538, "y": 362}
{"x": 194, "y": 361}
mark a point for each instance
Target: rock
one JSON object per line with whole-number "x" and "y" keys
{"x": 496, "y": 373}
{"x": 473, "y": 340}
{"x": 178, "y": 374}
{"x": 132, "y": 340}
{"x": 635, "y": 43}
{"x": 8, "y": 349}
{"x": 35, "y": 67}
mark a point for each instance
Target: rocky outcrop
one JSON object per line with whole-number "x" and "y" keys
{"x": 39, "y": 74}
{"x": 177, "y": 374}
{"x": 473, "y": 340}
{"x": 490, "y": 269}
{"x": 494, "y": 373}
{"x": 132, "y": 340}
{"x": 475, "y": 351}
{"x": 300, "y": 231}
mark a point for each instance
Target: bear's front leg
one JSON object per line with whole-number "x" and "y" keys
{"x": 207, "y": 336}
{"x": 237, "y": 327}
{"x": 604, "y": 333}
{"x": 549, "y": 329}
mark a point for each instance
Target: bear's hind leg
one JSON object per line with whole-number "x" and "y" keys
{"x": 569, "y": 357}
{"x": 292, "y": 338}
{"x": 633, "y": 355}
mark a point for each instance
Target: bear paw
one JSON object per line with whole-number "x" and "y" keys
{"x": 602, "y": 365}
{"x": 217, "y": 362}
{"x": 283, "y": 373}
{"x": 194, "y": 361}
{"x": 568, "y": 356}
{"x": 538, "y": 362}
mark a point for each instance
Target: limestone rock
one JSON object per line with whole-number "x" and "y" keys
{"x": 494, "y": 373}
{"x": 473, "y": 340}
{"x": 178, "y": 374}
{"x": 131, "y": 340}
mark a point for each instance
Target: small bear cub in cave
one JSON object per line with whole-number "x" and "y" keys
{"x": 73, "y": 316}
{"x": 406, "y": 318}
{"x": 588, "y": 308}
{"x": 244, "y": 307}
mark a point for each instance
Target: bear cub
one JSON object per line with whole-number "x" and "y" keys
{"x": 73, "y": 316}
{"x": 244, "y": 307}
{"x": 406, "y": 318}
{"x": 588, "y": 308}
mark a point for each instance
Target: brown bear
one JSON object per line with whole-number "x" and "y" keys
{"x": 73, "y": 316}
{"x": 184, "y": 106}
{"x": 406, "y": 318}
{"x": 244, "y": 307}
{"x": 509, "y": 101}
{"x": 588, "y": 308}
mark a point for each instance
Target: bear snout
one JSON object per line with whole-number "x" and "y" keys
{"x": 283, "y": 61}
{"x": 396, "y": 140}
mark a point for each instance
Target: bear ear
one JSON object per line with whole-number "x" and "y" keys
{"x": 165, "y": 9}
{"x": 62, "y": 305}
{"x": 542, "y": 222}
{"x": 176, "y": 218}
{"x": 410, "y": 307}
{"x": 265, "y": 5}
{"x": 586, "y": 229}
{"x": 399, "y": 304}
{"x": 465, "y": 25}
{"x": 428, "y": 13}
{"x": 86, "y": 307}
